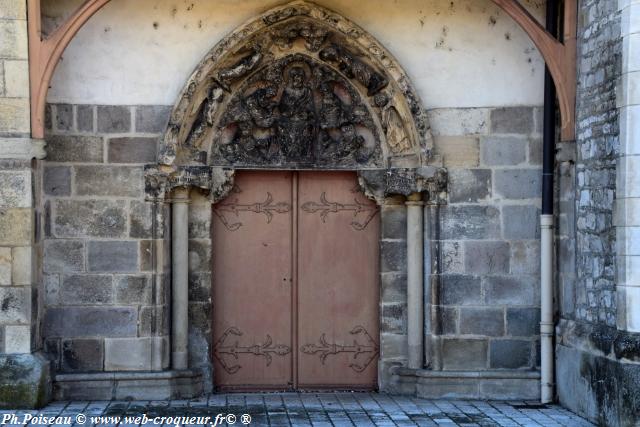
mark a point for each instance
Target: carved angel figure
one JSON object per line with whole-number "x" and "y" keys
{"x": 354, "y": 68}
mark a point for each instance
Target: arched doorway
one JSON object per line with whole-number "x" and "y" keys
{"x": 295, "y": 283}
{"x": 303, "y": 91}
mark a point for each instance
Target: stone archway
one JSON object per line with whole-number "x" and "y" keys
{"x": 300, "y": 88}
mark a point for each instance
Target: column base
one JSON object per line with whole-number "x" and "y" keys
{"x": 163, "y": 385}
{"x": 25, "y": 381}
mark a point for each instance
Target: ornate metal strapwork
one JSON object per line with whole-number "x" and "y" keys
{"x": 268, "y": 208}
{"x": 266, "y": 350}
{"x": 325, "y": 349}
{"x": 325, "y": 207}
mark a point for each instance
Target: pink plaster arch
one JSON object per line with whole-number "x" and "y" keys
{"x": 44, "y": 55}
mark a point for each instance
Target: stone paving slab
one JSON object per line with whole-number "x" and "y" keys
{"x": 296, "y": 409}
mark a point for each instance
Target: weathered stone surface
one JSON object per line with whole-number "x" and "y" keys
{"x": 119, "y": 181}
{"x": 114, "y": 119}
{"x": 64, "y": 117}
{"x": 512, "y": 120}
{"x": 15, "y": 226}
{"x": 199, "y": 255}
{"x": 520, "y": 222}
{"x": 459, "y": 121}
{"x": 73, "y": 322}
{"x": 394, "y": 222}
{"x": 63, "y": 148}
{"x": 133, "y": 150}
{"x": 56, "y": 180}
{"x": 112, "y": 256}
{"x": 152, "y": 118}
{"x": 486, "y": 257}
{"x": 511, "y": 290}
{"x": 452, "y": 256}
{"x": 464, "y": 354}
{"x": 22, "y": 268}
{"x": 13, "y": 34}
{"x": 141, "y": 219}
{"x": 16, "y": 78}
{"x": 86, "y": 289}
{"x": 503, "y": 151}
{"x": 199, "y": 220}
{"x": 84, "y": 118}
{"x": 469, "y": 222}
{"x": 393, "y": 346}
{"x": 25, "y": 381}
{"x": 393, "y": 256}
{"x": 517, "y": 183}
{"x": 153, "y": 321}
{"x": 460, "y": 290}
{"x": 469, "y": 185}
{"x": 394, "y": 287}
{"x": 133, "y": 289}
{"x": 101, "y": 218}
{"x": 128, "y": 354}
{"x": 482, "y": 321}
{"x": 51, "y": 289}
{"x": 82, "y": 355}
{"x": 535, "y": 151}
{"x": 15, "y": 305}
{"x": 523, "y": 322}
{"x": 15, "y": 189}
{"x": 449, "y": 320}
{"x": 394, "y": 318}
{"x": 509, "y": 354}
{"x": 62, "y": 256}
{"x": 525, "y": 257}
{"x": 458, "y": 151}
{"x": 5, "y": 266}
{"x": 14, "y": 115}
{"x": 13, "y": 9}
{"x": 17, "y": 339}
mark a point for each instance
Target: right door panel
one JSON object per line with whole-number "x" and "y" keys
{"x": 338, "y": 290}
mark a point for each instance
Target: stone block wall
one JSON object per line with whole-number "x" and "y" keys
{"x": 106, "y": 250}
{"x": 598, "y": 362}
{"x": 487, "y": 290}
{"x": 14, "y": 70}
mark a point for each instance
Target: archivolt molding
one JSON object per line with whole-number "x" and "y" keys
{"x": 298, "y": 87}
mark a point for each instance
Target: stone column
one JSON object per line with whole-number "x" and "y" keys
{"x": 25, "y": 378}
{"x": 180, "y": 279}
{"x": 415, "y": 291}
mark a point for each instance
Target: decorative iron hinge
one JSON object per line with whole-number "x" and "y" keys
{"x": 325, "y": 207}
{"x": 268, "y": 208}
{"x": 266, "y": 350}
{"x": 325, "y": 349}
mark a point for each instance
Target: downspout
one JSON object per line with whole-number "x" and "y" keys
{"x": 547, "y": 223}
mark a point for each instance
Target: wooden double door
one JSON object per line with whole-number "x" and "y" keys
{"x": 295, "y": 279}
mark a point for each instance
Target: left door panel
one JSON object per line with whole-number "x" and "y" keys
{"x": 252, "y": 269}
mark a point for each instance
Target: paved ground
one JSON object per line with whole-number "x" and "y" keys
{"x": 317, "y": 409}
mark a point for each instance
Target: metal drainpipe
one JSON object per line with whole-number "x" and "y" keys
{"x": 547, "y": 224}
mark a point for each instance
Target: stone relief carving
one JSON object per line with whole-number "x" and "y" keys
{"x": 298, "y": 87}
{"x": 296, "y": 111}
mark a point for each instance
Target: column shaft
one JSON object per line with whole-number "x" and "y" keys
{"x": 180, "y": 277}
{"x": 415, "y": 289}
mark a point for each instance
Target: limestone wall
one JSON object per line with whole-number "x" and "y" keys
{"x": 477, "y": 73}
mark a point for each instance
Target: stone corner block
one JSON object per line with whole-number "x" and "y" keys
{"x": 25, "y": 381}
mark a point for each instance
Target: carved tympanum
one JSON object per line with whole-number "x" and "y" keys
{"x": 297, "y": 87}
{"x": 296, "y": 111}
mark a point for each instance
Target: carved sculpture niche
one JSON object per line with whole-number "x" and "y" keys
{"x": 298, "y": 87}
